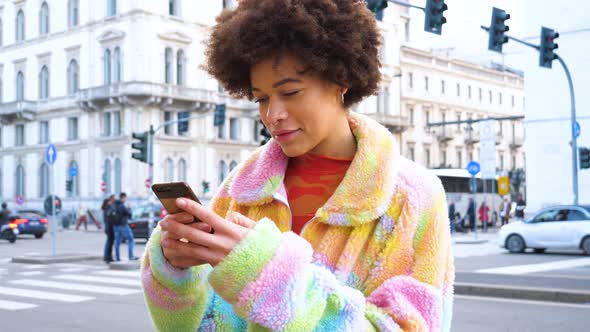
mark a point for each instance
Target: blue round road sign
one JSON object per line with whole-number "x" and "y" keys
{"x": 73, "y": 172}
{"x": 51, "y": 154}
{"x": 577, "y": 129}
{"x": 473, "y": 167}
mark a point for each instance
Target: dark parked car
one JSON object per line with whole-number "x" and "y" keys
{"x": 140, "y": 217}
{"x": 29, "y": 222}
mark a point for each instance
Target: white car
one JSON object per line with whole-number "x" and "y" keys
{"x": 558, "y": 227}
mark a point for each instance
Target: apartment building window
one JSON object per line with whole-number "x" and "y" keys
{"x": 228, "y": 3}
{"x": 256, "y": 133}
{"x": 513, "y": 162}
{"x": 116, "y": 123}
{"x": 427, "y": 156}
{"x": 180, "y": 67}
{"x": 183, "y": 127}
{"x": 72, "y": 129}
{"x": 480, "y": 95}
{"x": 513, "y": 101}
{"x": 1, "y": 32}
{"x": 222, "y": 171}
{"x": 73, "y": 13}
{"x": 111, "y": 7}
{"x": 500, "y": 98}
{"x": 426, "y": 117}
{"x": 43, "y": 180}
{"x": 234, "y": 129}
{"x": 20, "y": 26}
{"x": 469, "y": 91}
{"x": 118, "y": 175}
{"x": 73, "y": 77}
{"x": 411, "y": 115}
{"x": 44, "y": 83}
{"x": 43, "y": 132}
{"x": 491, "y": 96}
{"x": 75, "y": 180}
{"x": 182, "y": 170}
{"x": 470, "y": 154}
{"x": 44, "y": 19}
{"x": 1, "y": 87}
{"x": 500, "y": 128}
{"x": 106, "y": 176}
{"x": 107, "y": 67}
{"x": 20, "y": 86}
{"x": 411, "y": 153}
{"x": 426, "y": 83}
{"x": 168, "y": 170}
{"x": 442, "y": 87}
{"x": 20, "y": 181}
{"x": 168, "y": 66}
{"x": 458, "y": 120}
{"x": 19, "y": 139}
{"x": 501, "y": 162}
{"x": 411, "y": 80}
{"x": 168, "y": 127}
{"x": 459, "y": 159}
{"x": 106, "y": 123}
{"x": 458, "y": 90}
{"x": 117, "y": 65}
{"x": 443, "y": 158}
{"x": 173, "y": 7}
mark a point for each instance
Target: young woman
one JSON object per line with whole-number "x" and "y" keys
{"x": 326, "y": 227}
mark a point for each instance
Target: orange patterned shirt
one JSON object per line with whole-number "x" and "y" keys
{"x": 310, "y": 180}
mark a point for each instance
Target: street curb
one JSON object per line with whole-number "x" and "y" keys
{"x": 524, "y": 293}
{"x": 470, "y": 241}
{"x": 48, "y": 259}
{"x": 124, "y": 265}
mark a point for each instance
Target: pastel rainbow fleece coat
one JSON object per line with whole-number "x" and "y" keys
{"x": 376, "y": 257}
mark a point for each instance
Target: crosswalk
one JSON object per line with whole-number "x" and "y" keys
{"x": 39, "y": 285}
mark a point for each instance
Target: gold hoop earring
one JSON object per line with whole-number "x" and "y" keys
{"x": 343, "y": 99}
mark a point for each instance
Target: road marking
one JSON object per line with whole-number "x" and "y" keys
{"x": 76, "y": 287}
{"x": 22, "y": 292}
{"x": 78, "y": 265}
{"x": 30, "y": 273}
{"x": 72, "y": 269}
{"x": 10, "y": 305}
{"x": 544, "y": 303}
{"x": 530, "y": 268}
{"x": 35, "y": 267}
{"x": 106, "y": 280}
{"x": 5, "y": 260}
{"x": 131, "y": 274}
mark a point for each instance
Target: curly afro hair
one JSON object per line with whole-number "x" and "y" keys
{"x": 338, "y": 40}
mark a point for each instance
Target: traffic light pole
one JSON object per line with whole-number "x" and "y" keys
{"x": 573, "y": 124}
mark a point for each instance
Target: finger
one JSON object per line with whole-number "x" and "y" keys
{"x": 204, "y": 214}
{"x": 191, "y": 234}
{"x": 240, "y": 219}
{"x": 189, "y": 253}
{"x": 182, "y": 217}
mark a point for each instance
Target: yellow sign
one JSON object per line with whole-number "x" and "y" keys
{"x": 503, "y": 185}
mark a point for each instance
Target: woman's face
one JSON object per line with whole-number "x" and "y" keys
{"x": 302, "y": 112}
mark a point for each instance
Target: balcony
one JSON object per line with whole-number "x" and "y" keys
{"x": 395, "y": 123}
{"x": 18, "y": 110}
{"x": 517, "y": 142}
{"x": 145, "y": 93}
{"x": 443, "y": 134}
{"x": 471, "y": 136}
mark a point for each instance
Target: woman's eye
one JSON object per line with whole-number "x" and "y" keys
{"x": 291, "y": 93}
{"x": 260, "y": 100}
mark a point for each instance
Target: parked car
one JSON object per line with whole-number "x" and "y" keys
{"x": 29, "y": 222}
{"x": 140, "y": 217}
{"x": 558, "y": 227}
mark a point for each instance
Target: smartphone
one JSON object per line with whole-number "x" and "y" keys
{"x": 168, "y": 192}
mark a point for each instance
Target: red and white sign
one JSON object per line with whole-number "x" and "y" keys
{"x": 148, "y": 183}
{"x": 103, "y": 187}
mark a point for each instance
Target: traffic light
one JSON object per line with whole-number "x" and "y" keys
{"x": 219, "y": 116}
{"x": 69, "y": 184}
{"x": 584, "y": 158}
{"x": 498, "y": 28}
{"x": 141, "y": 147}
{"x": 435, "y": 16}
{"x": 205, "y": 187}
{"x": 264, "y": 132}
{"x": 377, "y": 7}
{"x": 546, "y": 55}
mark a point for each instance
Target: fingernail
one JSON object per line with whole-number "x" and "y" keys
{"x": 181, "y": 202}
{"x": 164, "y": 223}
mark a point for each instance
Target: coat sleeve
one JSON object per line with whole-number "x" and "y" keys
{"x": 271, "y": 282}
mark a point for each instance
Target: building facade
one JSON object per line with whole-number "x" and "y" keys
{"x": 438, "y": 89}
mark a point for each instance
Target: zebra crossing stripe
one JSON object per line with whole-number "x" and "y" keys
{"x": 30, "y": 273}
{"x": 74, "y": 277}
{"x": 76, "y": 287}
{"x": 22, "y": 292}
{"x": 10, "y": 305}
{"x": 131, "y": 274}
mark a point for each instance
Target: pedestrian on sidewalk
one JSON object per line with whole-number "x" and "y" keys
{"x": 470, "y": 214}
{"x": 325, "y": 227}
{"x": 121, "y": 226}
{"x": 108, "y": 205}
{"x": 82, "y": 218}
{"x": 519, "y": 209}
{"x": 452, "y": 216}
{"x": 505, "y": 211}
{"x": 484, "y": 215}
{"x": 4, "y": 214}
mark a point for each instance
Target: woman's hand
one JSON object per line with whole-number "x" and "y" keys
{"x": 203, "y": 246}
